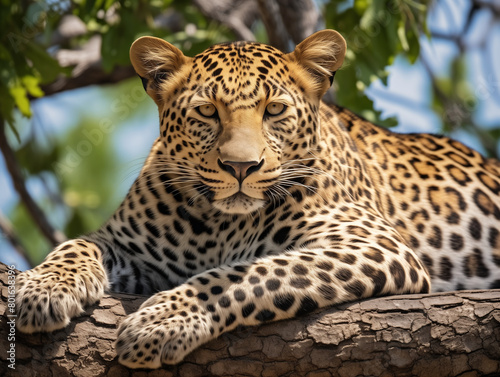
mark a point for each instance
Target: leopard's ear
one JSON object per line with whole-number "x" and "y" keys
{"x": 322, "y": 54}
{"x": 155, "y": 61}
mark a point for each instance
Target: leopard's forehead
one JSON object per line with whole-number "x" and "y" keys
{"x": 240, "y": 70}
{"x": 240, "y": 53}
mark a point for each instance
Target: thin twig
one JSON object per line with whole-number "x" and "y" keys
{"x": 53, "y": 236}
{"x": 8, "y": 231}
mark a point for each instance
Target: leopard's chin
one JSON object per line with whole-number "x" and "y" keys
{"x": 238, "y": 203}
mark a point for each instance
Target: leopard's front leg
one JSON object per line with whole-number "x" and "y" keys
{"x": 71, "y": 277}
{"x": 172, "y": 323}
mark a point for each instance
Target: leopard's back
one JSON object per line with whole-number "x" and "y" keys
{"x": 443, "y": 198}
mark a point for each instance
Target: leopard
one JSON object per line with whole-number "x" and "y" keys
{"x": 259, "y": 202}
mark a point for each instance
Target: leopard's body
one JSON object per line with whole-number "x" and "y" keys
{"x": 258, "y": 203}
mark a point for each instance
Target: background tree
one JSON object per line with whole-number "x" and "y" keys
{"x": 66, "y": 174}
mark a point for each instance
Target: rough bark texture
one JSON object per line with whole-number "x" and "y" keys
{"x": 446, "y": 334}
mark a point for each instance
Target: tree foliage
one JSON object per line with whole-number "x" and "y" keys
{"x": 376, "y": 32}
{"x": 25, "y": 63}
{"x": 29, "y": 36}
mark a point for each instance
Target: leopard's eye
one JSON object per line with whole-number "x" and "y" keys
{"x": 275, "y": 108}
{"x": 207, "y": 110}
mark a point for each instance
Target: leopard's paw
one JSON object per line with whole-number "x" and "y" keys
{"x": 47, "y": 300}
{"x": 161, "y": 334}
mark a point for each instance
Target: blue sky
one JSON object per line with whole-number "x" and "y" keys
{"x": 407, "y": 93}
{"x": 406, "y": 96}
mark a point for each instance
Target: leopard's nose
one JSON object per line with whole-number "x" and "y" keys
{"x": 240, "y": 170}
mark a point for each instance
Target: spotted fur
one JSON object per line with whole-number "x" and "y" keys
{"x": 258, "y": 203}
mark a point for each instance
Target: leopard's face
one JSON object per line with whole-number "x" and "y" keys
{"x": 234, "y": 119}
{"x": 239, "y": 122}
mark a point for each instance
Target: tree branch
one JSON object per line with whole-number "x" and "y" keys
{"x": 442, "y": 334}
{"x": 289, "y": 21}
{"x": 284, "y": 21}
{"x": 10, "y": 235}
{"x": 301, "y": 18}
{"x": 237, "y": 15}
{"x": 275, "y": 27}
{"x": 87, "y": 69}
{"x": 92, "y": 75}
{"x": 53, "y": 236}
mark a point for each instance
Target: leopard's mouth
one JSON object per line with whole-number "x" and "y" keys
{"x": 240, "y": 196}
{"x": 237, "y": 197}
{"x": 239, "y": 203}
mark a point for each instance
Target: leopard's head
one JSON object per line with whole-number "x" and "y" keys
{"x": 234, "y": 116}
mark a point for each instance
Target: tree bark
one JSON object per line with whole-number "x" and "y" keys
{"x": 442, "y": 334}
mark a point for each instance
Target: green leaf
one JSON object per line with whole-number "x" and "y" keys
{"x": 117, "y": 40}
{"x": 368, "y": 16}
{"x": 31, "y": 84}
{"x": 402, "y": 36}
{"x": 46, "y": 65}
{"x": 18, "y": 92}
{"x": 360, "y": 6}
{"x": 495, "y": 133}
{"x": 35, "y": 159}
{"x": 414, "y": 44}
